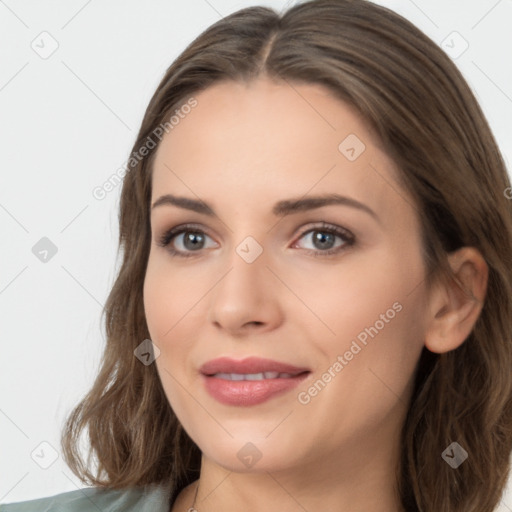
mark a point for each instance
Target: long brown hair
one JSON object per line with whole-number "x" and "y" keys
{"x": 431, "y": 125}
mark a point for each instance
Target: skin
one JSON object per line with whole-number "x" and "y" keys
{"x": 242, "y": 149}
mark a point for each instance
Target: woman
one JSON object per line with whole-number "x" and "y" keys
{"x": 313, "y": 308}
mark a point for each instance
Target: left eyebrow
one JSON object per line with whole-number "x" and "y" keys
{"x": 280, "y": 209}
{"x": 290, "y": 206}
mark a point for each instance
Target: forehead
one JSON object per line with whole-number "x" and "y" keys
{"x": 265, "y": 141}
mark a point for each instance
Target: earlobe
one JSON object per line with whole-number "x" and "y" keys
{"x": 455, "y": 306}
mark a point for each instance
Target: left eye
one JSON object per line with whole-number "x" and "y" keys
{"x": 190, "y": 240}
{"x": 324, "y": 240}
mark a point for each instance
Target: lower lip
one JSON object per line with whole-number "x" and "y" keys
{"x": 249, "y": 392}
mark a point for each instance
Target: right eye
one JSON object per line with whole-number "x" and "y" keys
{"x": 188, "y": 238}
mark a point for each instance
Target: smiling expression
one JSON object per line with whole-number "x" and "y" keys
{"x": 279, "y": 232}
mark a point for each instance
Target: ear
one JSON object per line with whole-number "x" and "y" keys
{"x": 454, "y": 311}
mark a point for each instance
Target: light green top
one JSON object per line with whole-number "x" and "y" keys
{"x": 95, "y": 499}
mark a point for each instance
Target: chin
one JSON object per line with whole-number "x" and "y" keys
{"x": 250, "y": 453}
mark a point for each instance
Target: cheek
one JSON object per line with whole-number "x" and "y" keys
{"x": 164, "y": 310}
{"x": 367, "y": 287}
{"x": 371, "y": 309}
{"x": 170, "y": 296}
{"x": 365, "y": 371}
{"x": 174, "y": 316}
{"x": 157, "y": 306}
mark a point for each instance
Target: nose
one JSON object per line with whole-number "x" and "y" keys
{"x": 246, "y": 298}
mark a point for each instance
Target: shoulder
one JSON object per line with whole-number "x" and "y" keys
{"x": 141, "y": 499}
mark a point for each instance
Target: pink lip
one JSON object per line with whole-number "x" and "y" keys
{"x": 248, "y": 365}
{"x": 246, "y": 393}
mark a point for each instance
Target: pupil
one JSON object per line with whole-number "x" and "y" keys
{"x": 321, "y": 238}
{"x": 193, "y": 239}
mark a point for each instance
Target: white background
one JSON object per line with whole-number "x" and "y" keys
{"x": 67, "y": 124}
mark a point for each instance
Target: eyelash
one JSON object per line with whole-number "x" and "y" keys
{"x": 344, "y": 234}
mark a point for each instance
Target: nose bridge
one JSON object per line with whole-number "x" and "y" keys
{"x": 247, "y": 263}
{"x": 249, "y": 250}
{"x": 244, "y": 293}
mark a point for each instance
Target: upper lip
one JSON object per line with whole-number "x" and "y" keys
{"x": 248, "y": 365}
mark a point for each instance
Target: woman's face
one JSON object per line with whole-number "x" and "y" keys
{"x": 279, "y": 272}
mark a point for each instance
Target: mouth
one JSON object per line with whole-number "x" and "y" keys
{"x": 250, "y": 381}
{"x": 252, "y": 366}
{"x": 253, "y": 376}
